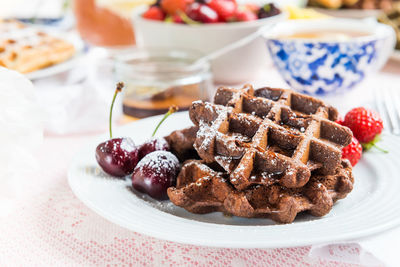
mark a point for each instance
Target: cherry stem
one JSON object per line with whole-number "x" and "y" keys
{"x": 171, "y": 110}
{"x": 120, "y": 85}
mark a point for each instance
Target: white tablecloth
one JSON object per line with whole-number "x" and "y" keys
{"x": 47, "y": 225}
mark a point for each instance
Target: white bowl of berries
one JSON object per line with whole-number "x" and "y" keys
{"x": 206, "y": 26}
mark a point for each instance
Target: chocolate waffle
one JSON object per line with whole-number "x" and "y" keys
{"x": 268, "y": 135}
{"x": 201, "y": 189}
{"x": 181, "y": 143}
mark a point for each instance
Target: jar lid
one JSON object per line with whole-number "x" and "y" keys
{"x": 167, "y": 65}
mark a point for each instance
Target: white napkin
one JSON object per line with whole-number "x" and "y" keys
{"x": 78, "y": 101}
{"x": 21, "y": 133}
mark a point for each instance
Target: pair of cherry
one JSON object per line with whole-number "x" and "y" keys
{"x": 153, "y": 168}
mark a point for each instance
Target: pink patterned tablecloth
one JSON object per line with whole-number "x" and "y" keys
{"x": 49, "y": 226}
{"x": 52, "y": 227}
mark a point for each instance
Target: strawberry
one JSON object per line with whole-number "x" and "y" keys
{"x": 352, "y": 152}
{"x": 224, "y": 8}
{"x": 366, "y": 124}
{"x": 172, "y": 7}
{"x": 154, "y": 13}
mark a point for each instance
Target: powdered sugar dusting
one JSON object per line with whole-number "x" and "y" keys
{"x": 127, "y": 144}
{"x": 159, "y": 161}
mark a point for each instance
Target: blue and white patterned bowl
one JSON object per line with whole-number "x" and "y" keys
{"x": 319, "y": 67}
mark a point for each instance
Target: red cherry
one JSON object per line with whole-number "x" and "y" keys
{"x": 154, "y": 13}
{"x": 117, "y": 157}
{"x": 155, "y": 173}
{"x": 202, "y": 13}
{"x": 155, "y": 144}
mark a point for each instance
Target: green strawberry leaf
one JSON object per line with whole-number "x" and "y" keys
{"x": 372, "y": 144}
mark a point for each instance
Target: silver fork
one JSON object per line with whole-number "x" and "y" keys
{"x": 388, "y": 105}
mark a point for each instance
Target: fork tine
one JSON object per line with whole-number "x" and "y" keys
{"x": 391, "y": 111}
{"x": 379, "y": 100}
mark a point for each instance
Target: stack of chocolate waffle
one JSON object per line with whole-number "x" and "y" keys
{"x": 261, "y": 153}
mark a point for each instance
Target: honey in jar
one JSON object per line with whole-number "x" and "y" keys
{"x": 156, "y": 79}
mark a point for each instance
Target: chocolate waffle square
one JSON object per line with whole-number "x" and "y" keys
{"x": 201, "y": 189}
{"x": 268, "y": 135}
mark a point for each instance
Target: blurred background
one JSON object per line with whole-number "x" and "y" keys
{"x": 60, "y": 61}
{"x": 176, "y": 51}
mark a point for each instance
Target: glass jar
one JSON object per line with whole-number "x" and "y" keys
{"x": 157, "y": 78}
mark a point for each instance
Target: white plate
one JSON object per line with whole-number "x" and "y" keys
{"x": 372, "y": 207}
{"x": 74, "y": 39}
